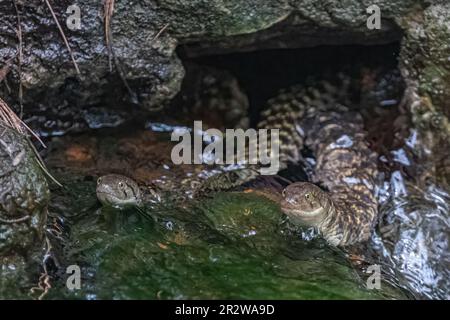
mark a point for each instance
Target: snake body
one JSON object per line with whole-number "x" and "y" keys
{"x": 345, "y": 166}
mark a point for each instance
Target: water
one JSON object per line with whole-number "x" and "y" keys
{"x": 235, "y": 245}
{"x": 416, "y": 243}
{"x": 232, "y": 246}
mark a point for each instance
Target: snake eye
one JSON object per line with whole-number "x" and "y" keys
{"x": 307, "y": 196}
{"x": 99, "y": 180}
{"x": 283, "y": 193}
{"x": 121, "y": 185}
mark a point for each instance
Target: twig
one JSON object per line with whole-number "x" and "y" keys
{"x": 20, "y": 50}
{"x": 108, "y": 8}
{"x": 17, "y": 220}
{"x": 44, "y": 284}
{"x": 7, "y": 86}
{"x": 9, "y": 117}
{"x": 160, "y": 32}
{"x": 42, "y": 165}
{"x": 61, "y": 31}
{"x": 108, "y": 12}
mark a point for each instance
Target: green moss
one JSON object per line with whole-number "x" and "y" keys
{"x": 205, "y": 252}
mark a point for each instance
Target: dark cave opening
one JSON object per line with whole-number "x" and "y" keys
{"x": 261, "y": 74}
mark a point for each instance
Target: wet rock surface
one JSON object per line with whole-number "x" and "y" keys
{"x": 24, "y": 195}
{"x": 425, "y": 64}
{"x": 145, "y": 34}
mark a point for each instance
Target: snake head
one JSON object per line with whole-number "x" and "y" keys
{"x": 118, "y": 191}
{"x": 305, "y": 203}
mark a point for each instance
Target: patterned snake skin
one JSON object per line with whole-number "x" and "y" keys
{"x": 314, "y": 117}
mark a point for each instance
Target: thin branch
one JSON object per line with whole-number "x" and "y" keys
{"x": 61, "y": 31}
{"x": 7, "y": 86}
{"x": 44, "y": 284}
{"x": 17, "y": 220}
{"x": 20, "y": 50}
{"x": 9, "y": 117}
{"x": 42, "y": 165}
{"x": 108, "y": 8}
{"x": 160, "y": 32}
